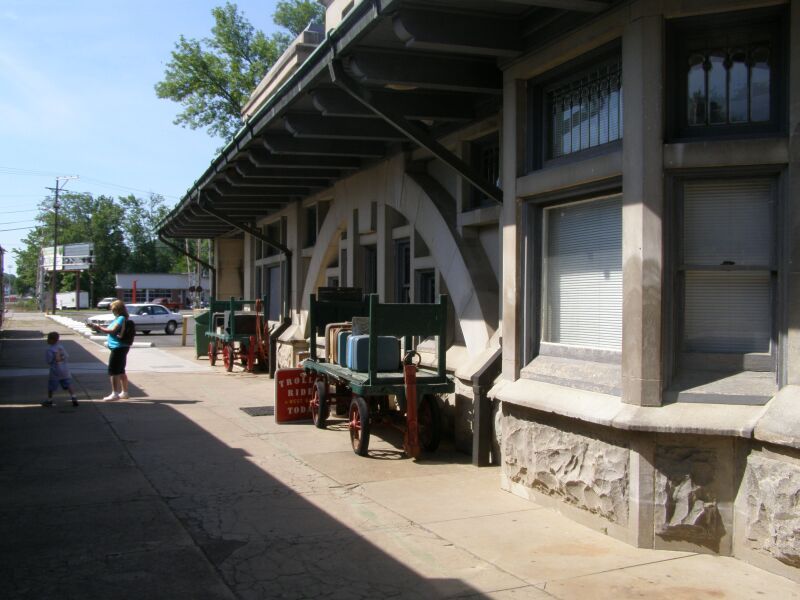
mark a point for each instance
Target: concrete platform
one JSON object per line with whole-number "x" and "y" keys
{"x": 178, "y": 493}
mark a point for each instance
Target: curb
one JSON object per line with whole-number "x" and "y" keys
{"x": 82, "y": 329}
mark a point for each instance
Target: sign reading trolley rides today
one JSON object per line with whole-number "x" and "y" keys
{"x": 69, "y": 257}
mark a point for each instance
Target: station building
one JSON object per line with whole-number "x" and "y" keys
{"x": 604, "y": 191}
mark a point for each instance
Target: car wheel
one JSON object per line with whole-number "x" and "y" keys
{"x": 171, "y": 327}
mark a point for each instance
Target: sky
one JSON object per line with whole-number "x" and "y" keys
{"x": 77, "y": 98}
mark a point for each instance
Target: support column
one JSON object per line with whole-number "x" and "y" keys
{"x": 511, "y": 292}
{"x": 642, "y": 207}
{"x": 790, "y": 367}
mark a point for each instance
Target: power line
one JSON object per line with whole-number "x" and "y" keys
{"x": 20, "y": 228}
{"x": 16, "y": 222}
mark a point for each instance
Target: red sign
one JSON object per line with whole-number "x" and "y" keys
{"x": 293, "y": 391}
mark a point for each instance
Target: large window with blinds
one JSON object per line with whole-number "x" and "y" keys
{"x": 582, "y": 274}
{"x": 727, "y": 270}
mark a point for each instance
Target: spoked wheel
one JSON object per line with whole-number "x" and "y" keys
{"x": 227, "y": 356}
{"x": 251, "y": 355}
{"x": 358, "y": 417}
{"x": 430, "y": 424}
{"x": 319, "y": 404}
{"x": 212, "y": 353}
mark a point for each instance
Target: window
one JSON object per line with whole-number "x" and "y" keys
{"x": 273, "y": 281}
{"x": 273, "y": 231}
{"x": 727, "y": 273}
{"x": 311, "y": 226}
{"x": 727, "y": 74}
{"x": 425, "y": 286}
{"x": 370, "y": 258}
{"x": 402, "y": 271}
{"x": 582, "y": 274}
{"x": 585, "y": 110}
{"x": 158, "y": 310}
{"x": 485, "y": 158}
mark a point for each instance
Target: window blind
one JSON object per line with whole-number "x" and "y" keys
{"x": 583, "y": 274}
{"x": 728, "y": 256}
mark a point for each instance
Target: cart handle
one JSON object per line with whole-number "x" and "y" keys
{"x": 408, "y": 359}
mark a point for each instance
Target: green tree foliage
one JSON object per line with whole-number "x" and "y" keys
{"x": 212, "y": 78}
{"x": 121, "y": 231}
{"x": 296, "y": 15}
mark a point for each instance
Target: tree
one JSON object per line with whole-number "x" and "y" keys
{"x": 147, "y": 253}
{"x": 212, "y": 78}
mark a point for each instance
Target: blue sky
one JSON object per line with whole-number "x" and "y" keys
{"x": 76, "y": 98}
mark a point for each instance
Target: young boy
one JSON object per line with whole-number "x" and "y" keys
{"x": 57, "y": 357}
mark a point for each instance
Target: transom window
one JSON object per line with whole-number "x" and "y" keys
{"x": 728, "y": 86}
{"x": 586, "y": 110}
{"x": 728, "y": 74}
{"x": 486, "y": 161}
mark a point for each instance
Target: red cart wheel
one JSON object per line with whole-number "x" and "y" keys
{"x": 319, "y": 404}
{"x": 358, "y": 417}
{"x": 227, "y": 356}
{"x": 251, "y": 355}
{"x": 212, "y": 353}
{"x": 430, "y": 424}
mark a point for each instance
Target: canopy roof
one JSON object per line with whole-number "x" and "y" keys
{"x": 393, "y": 76}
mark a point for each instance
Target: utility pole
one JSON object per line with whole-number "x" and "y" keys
{"x": 58, "y": 188}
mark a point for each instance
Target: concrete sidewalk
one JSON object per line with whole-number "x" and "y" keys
{"x": 178, "y": 493}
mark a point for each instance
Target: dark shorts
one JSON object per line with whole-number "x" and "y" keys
{"x": 117, "y": 360}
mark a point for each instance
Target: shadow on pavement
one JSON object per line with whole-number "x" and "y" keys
{"x": 135, "y": 500}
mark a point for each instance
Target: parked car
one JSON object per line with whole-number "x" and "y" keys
{"x": 168, "y": 302}
{"x": 147, "y": 317}
{"x": 106, "y": 302}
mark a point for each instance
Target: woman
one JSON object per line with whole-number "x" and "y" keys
{"x": 119, "y": 352}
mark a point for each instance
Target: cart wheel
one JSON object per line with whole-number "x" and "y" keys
{"x": 358, "y": 417}
{"x": 227, "y": 357}
{"x": 251, "y": 355}
{"x": 430, "y": 424}
{"x": 319, "y": 404}
{"x": 212, "y": 353}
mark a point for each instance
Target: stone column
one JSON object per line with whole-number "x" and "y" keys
{"x": 792, "y": 327}
{"x": 511, "y": 292}
{"x": 642, "y": 206}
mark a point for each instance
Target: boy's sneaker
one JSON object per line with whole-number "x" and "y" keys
{"x": 124, "y": 396}
{"x": 111, "y": 397}
{"x": 47, "y": 403}
{"x": 74, "y": 401}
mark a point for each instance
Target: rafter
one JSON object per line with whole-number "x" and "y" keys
{"x": 266, "y": 160}
{"x": 316, "y": 126}
{"x": 286, "y": 144}
{"x": 463, "y": 33}
{"x": 425, "y": 106}
{"x": 410, "y": 70}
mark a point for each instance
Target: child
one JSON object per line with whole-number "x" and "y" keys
{"x": 57, "y": 357}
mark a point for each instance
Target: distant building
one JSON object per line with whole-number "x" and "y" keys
{"x": 2, "y": 287}
{"x": 175, "y": 286}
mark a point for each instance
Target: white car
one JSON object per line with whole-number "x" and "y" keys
{"x": 147, "y": 317}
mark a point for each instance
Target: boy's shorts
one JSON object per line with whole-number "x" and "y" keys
{"x": 52, "y": 384}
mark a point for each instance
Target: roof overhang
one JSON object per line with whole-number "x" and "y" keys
{"x": 394, "y": 75}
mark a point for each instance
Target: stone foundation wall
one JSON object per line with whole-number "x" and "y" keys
{"x": 577, "y": 466}
{"x": 770, "y": 507}
{"x": 692, "y": 485}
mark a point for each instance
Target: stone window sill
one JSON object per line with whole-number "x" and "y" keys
{"x": 709, "y": 387}
{"x": 610, "y": 411}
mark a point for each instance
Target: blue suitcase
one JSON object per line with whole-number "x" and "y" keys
{"x": 341, "y": 347}
{"x": 358, "y": 353}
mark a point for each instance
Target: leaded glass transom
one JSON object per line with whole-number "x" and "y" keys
{"x": 586, "y": 111}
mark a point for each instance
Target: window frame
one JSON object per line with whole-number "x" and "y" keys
{"x": 476, "y": 198}
{"x": 538, "y": 117}
{"x": 534, "y": 250}
{"x": 674, "y": 310}
{"x": 686, "y": 35}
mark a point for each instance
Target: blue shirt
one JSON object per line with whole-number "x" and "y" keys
{"x": 114, "y": 340}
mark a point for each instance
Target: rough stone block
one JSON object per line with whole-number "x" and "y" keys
{"x": 772, "y": 489}
{"x": 686, "y": 502}
{"x": 587, "y": 472}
